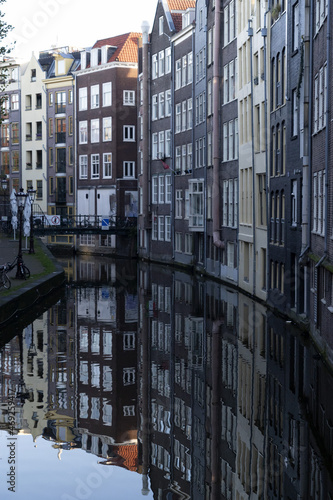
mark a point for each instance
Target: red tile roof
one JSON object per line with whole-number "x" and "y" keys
{"x": 127, "y": 47}
{"x": 181, "y": 4}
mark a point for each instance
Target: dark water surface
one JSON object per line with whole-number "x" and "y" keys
{"x": 147, "y": 381}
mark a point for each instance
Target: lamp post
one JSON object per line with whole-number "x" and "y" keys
{"x": 21, "y": 199}
{"x": 32, "y": 195}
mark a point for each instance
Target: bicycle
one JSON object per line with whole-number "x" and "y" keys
{"x": 23, "y": 271}
{"x": 4, "y": 279}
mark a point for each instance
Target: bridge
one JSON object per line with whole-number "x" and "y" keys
{"x": 45, "y": 225}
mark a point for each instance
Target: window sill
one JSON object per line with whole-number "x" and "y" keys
{"x": 330, "y": 308}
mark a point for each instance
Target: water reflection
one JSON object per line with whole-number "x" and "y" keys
{"x": 201, "y": 392}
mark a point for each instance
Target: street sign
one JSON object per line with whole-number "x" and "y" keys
{"x": 54, "y": 220}
{"x": 105, "y": 224}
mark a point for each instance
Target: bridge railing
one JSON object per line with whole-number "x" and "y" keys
{"x": 81, "y": 223}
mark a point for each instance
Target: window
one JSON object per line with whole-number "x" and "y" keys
{"x": 161, "y": 105}
{"x": 161, "y": 228}
{"x": 129, "y": 98}
{"x": 107, "y": 94}
{"x": 107, "y": 165}
{"x": 190, "y": 68}
{"x": 161, "y": 63}
{"x": 189, "y": 114}
{"x": 154, "y": 146}
{"x": 178, "y": 80}
{"x": 178, "y": 118}
{"x": 14, "y": 102}
{"x": 129, "y": 169}
{"x": 167, "y": 143}
{"x": 107, "y": 131}
{"x": 161, "y": 144}
{"x": 83, "y": 103}
{"x": 70, "y": 125}
{"x": 33, "y": 75}
{"x": 210, "y": 47}
{"x": 83, "y": 132}
{"x": 160, "y": 25}
{"x": 321, "y": 13}
{"x": 129, "y": 133}
{"x": 320, "y": 91}
{"x": 168, "y": 103}
{"x": 161, "y": 189}
{"x": 154, "y": 107}
{"x": 60, "y": 102}
{"x": 154, "y": 66}
{"x": 167, "y": 228}
{"x": 154, "y": 189}
{"x": 184, "y": 71}
{"x": 168, "y": 189}
{"x": 94, "y": 96}
{"x": 15, "y": 161}
{"x": 178, "y": 205}
{"x": 196, "y": 198}
{"x": 95, "y": 166}
{"x": 229, "y": 22}
{"x": 15, "y": 133}
{"x": 70, "y": 96}
{"x": 295, "y": 26}
{"x": 168, "y": 60}
{"x": 94, "y": 130}
{"x": 294, "y": 203}
{"x": 230, "y": 202}
{"x": 295, "y": 113}
{"x": 319, "y": 215}
{"x": 184, "y": 115}
{"x": 39, "y": 193}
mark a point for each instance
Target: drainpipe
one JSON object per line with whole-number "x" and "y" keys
{"x": 145, "y": 126}
{"x": 216, "y": 142}
{"x": 327, "y": 133}
{"x": 307, "y": 168}
{"x": 264, "y": 35}
{"x": 250, "y": 34}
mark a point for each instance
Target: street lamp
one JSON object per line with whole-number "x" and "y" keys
{"x": 21, "y": 198}
{"x": 32, "y": 195}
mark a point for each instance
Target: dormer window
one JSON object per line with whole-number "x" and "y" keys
{"x": 94, "y": 57}
{"x": 83, "y": 60}
{"x": 61, "y": 66}
{"x": 105, "y": 54}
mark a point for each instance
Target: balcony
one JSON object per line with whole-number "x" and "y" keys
{"x": 60, "y": 108}
{"x": 60, "y": 137}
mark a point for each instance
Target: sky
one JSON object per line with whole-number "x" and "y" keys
{"x": 41, "y": 24}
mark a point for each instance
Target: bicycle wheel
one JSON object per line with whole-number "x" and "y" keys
{"x": 26, "y": 271}
{"x": 6, "y": 281}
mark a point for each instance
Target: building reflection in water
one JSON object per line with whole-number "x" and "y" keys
{"x": 199, "y": 389}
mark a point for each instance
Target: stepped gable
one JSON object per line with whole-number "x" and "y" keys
{"x": 126, "y": 47}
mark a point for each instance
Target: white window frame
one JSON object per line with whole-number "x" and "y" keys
{"x": 83, "y": 166}
{"x": 94, "y": 96}
{"x": 107, "y": 129}
{"x": 107, "y": 94}
{"x": 129, "y": 97}
{"x": 83, "y": 98}
{"x": 83, "y": 132}
{"x": 107, "y": 165}
{"x": 94, "y": 130}
{"x": 129, "y": 133}
{"x": 94, "y": 165}
{"x": 129, "y": 169}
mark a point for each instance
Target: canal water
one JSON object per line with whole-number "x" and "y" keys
{"x": 141, "y": 380}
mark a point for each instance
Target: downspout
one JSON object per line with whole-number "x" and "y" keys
{"x": 264, "y": 35}
{"x": 327, "y": 133}
{"x": 250, "y": 34}
{"x": 216, "y": 143}
{"x": 307, "y": 179}
{"x": 145, "y": 127}
{"x": 172, "y": 145}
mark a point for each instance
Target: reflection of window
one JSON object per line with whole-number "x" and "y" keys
{"x": 129, "y": 411}
{"x": 83, "y": 405}
{"x": 128, "y": 376}
{"x": 95, "y": 374}
{"x": 107, "y": 378}
{"x": 129, "y": 341}
{"x": 107, "y": 413}
{"x": 84, "y": 372}
{"x": 95, "y": 408}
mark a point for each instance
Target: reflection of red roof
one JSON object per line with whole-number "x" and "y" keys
{"x": 130, "y": 453}
{"x": 127, "y": 47}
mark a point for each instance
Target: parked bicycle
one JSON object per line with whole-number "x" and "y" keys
{"x": 22, "y": 270}
{"x": 4, "y": 279}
